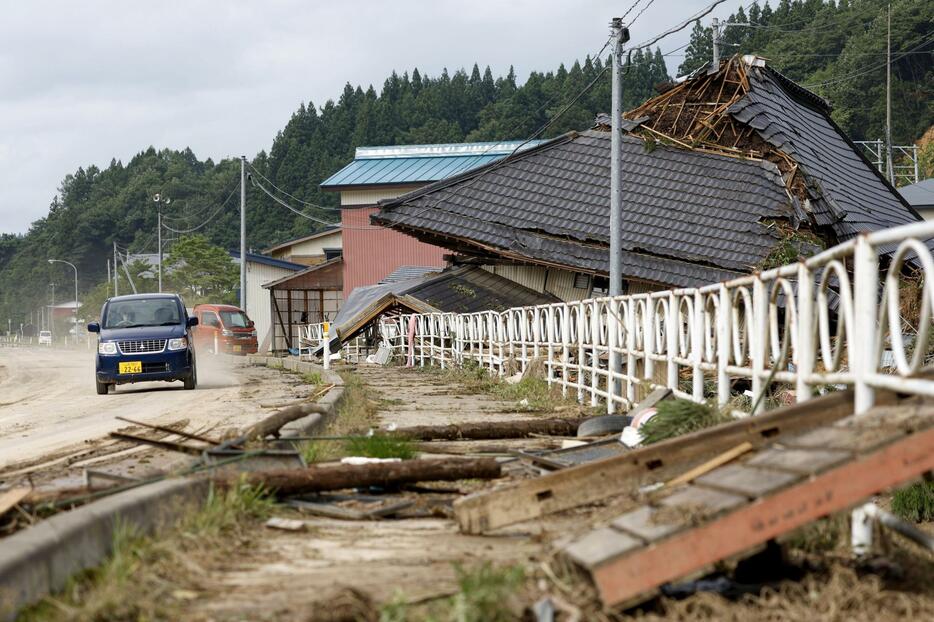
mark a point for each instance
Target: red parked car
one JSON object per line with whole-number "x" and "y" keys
{"x": 224, "y": 328}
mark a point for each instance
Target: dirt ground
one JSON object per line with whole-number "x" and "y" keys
{"x": 53, "y": 424}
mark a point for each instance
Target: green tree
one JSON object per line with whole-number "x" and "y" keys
{"x": 200, "y": 272}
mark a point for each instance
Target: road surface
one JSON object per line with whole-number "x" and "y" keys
{"x": 48, "y": 405}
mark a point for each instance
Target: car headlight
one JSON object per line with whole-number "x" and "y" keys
{"x": 178, "y": 344}
{"x": 227, "y": 333}
{"x": 107, "y": 347}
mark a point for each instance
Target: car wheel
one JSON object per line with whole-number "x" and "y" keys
{"x": 102, "y": 387}
{"x": 192, "y": 380}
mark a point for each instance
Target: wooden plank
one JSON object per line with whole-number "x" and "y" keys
{"x": 642, "y": 524}
{"x": 600, "y": 479}
{"x": 600, "y": 545}
{"x": 650, "y": 401}
{"x": 713, "y": 463}
{"x": 625, "y": 579}
{"x": 804, "y": 461}
{"x": 9, "y": 499}
{"x": 707, "y": 498}
{"x": 744, "y": 480}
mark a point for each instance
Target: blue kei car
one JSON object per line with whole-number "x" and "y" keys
{"x": 143, "y": 338}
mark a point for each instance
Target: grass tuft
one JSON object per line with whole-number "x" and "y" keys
{"x": 486, "y": 593}
{"x": 677, "y": 417}
{"x": 915, "y": 502}
{"x": 378, "y": 446}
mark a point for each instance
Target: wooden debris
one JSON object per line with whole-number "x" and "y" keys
{"x": 713, "y": 463}
{"x": 286, "y": 524}
{"x": 628, "y": 562}
{"x": 318, "y": 478}
{"x": 523, "y": 428}
{"x": 273, "y": 423}
{"x": 600, "y": 479}
{"x": 169, "y": 430}
{"x": 162, "y": 444}
{"x": 11, "y": 498}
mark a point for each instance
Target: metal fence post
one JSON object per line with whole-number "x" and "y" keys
{"x": 648, "y": 340}
{"x": 697, "y": 348}
{"x": 671, "y": 339}
{"x": 723, "y": 344}
{"x": 805, "y": 351}
{"x": 758, "y": 338}
{"x": 863, "y": 346}
{"x": 612, "y": 324}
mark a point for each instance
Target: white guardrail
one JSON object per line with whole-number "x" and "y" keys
{"x": 823, "y": 321}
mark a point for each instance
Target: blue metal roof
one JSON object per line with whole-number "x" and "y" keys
{"x": 269, "y": 261}
{"x": 380, "y": 166}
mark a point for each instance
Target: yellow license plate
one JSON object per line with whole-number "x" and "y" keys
{"x": 131, "y": 367}
{"x": 237, "y": 348}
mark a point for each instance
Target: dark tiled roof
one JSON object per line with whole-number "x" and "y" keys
{"x": 847, "y": 192}
{"x": 470, "y": 289}
{"x": 689, "y": 218}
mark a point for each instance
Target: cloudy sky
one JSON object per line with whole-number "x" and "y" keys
{"x": 84, "y": 82}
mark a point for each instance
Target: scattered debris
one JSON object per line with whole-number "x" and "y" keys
{"x": 286, "y": 524}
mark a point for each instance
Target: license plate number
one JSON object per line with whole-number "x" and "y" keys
{"x": 237, "y": 348}
{"x": 131, "y": 367}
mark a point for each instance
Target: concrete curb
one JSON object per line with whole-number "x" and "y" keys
{"x": 331, "y": 400}
{"x": 39, "y": 560}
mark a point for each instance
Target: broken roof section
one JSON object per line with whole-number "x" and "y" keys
{"x": 706, "y": 186}
{"x": 467, "y": 289}
{"x": 749, "y": 110}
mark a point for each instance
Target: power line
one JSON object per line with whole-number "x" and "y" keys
{"x": 294, "y": 198}
{"x": 289, "y": 207}
{"x": 702, "y": 13}
{"x": 209, "y": 219}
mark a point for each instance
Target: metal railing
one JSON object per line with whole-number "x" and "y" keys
{"x": 827, "y": 320}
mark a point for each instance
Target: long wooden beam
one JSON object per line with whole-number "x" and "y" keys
{"x": 594, "y": 481}
{"x": 624, "y": 579}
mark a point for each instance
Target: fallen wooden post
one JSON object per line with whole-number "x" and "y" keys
{"x": 9, "y": 499}
{"x": 523, "y": 428}
{"x": 171, "y": 446}
{"x": 274, "y": 422}
{"x": 168, "y": 430}
{"x": 319, "y": 478}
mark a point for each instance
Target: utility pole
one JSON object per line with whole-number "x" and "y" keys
{"x": 620, "y": 36}
{"x": 243, "y": 232}
{"x": 715, "y": 28}
{"x": 108, "y": 278}
{"x": 116, "y": 292}
{"x": 159, "y": 201}
{"x": 888, "y": 102}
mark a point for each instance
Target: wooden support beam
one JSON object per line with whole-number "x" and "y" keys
{"x": 593, "y": 481}
{"x": 625, "y": 579}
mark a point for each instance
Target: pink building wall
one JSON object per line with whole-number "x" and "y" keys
{"x": 371, "y": 254}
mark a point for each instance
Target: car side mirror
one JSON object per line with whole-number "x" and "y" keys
{"x": 252, "y": 323}
{"x": 94, "y": 327}
{"x": 192, "y": 321}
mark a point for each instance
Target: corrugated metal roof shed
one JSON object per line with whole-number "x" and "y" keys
{"x": 407, "y": 164}
{"x": 404, "y": 273}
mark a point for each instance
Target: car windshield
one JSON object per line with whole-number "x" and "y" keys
{"x": 142, "y": 312}
{"x": 234, "y": 319}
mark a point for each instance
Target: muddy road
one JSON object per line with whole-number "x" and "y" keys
{"x": 48, "y": 405}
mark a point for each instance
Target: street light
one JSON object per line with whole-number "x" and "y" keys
{"x": 73, "y": 267}
{"x": 160, "y": 200}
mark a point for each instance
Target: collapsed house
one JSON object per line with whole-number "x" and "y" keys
{"x": 722, "y": 174}
{"x": 466, "y": 289}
